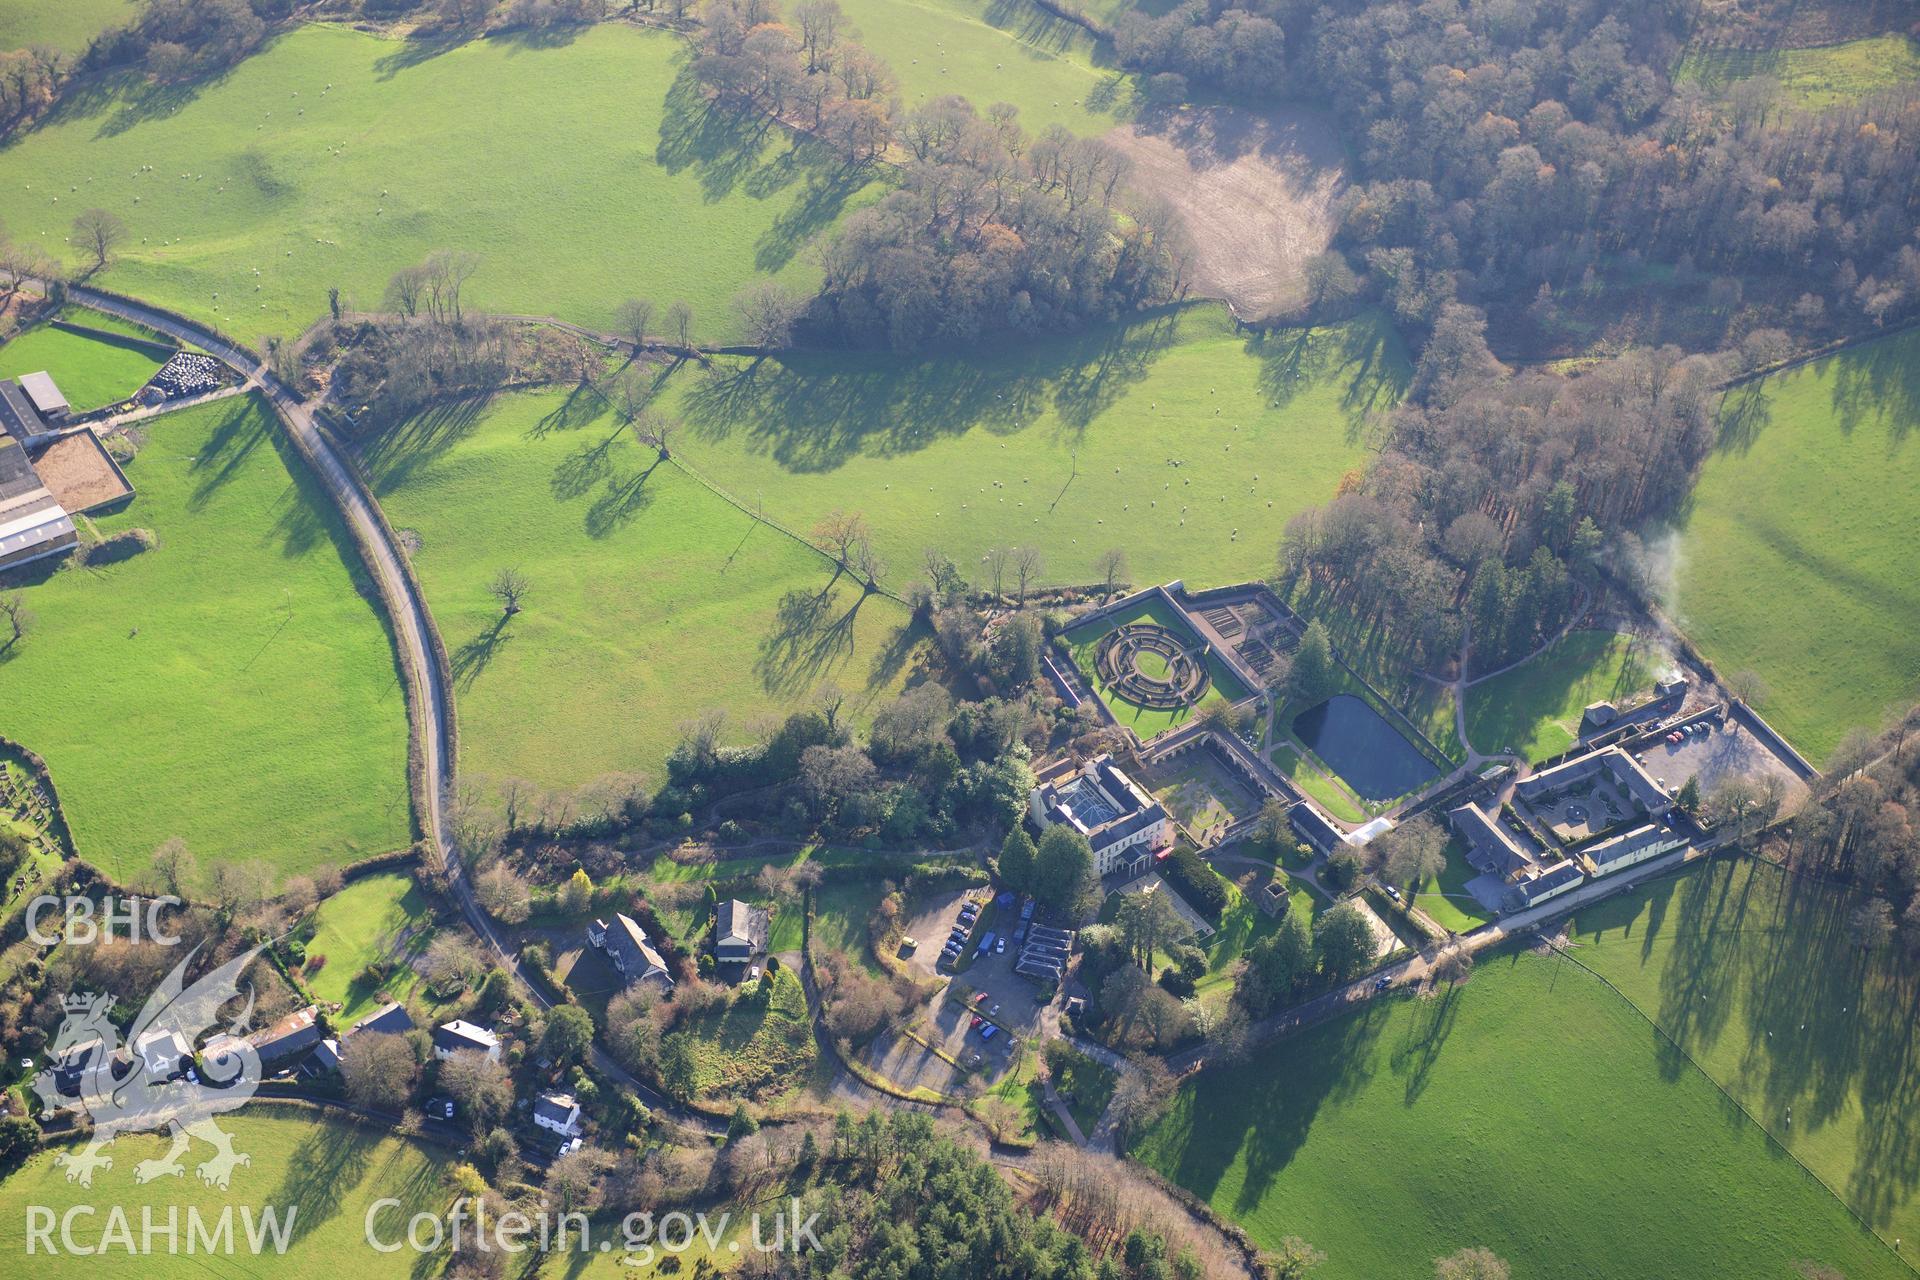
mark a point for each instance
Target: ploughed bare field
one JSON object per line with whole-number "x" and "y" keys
{"x": 1255, "y": 190}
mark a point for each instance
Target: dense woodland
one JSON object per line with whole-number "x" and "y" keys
{"x": 987, "y": 229}
{"x": 1862, "y": 827}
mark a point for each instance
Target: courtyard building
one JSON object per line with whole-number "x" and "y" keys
{"x": 1120, "y": 819}
{"x": 33, "y": 524}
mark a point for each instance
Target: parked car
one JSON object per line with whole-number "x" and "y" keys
{"x": 909, "y": 944}
{"x": 440, "y": 1108}
{"x": 986, "y": 1032}
{"x": 980, "y": 999}
{"x": 1382, "y": 982}
{"x": 1000, "y": 946}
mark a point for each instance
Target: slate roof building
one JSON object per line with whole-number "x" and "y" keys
{"x": 461, "y": 1036}
{"x": 1490, "y": 846}
{"x": 739, "y": 931}
{"x": 1119, "y": 818}
{"x": 389, "y": 1019}
{"x": 632, "y": 956}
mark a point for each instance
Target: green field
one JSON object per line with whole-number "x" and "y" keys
{"x": 1813, "y": 78}
{"x": 652, "y": 600}
{"x": 1797, "y": 558}
{"x": 1536, "y": 708}
{"x": 1754, "y": 972}
{"x": 1004, "y": 51}
{"x": 379, "y": 917}
{"x": 1148, "y": 722}
{"x": 326, "y": 1172}
{"x": 1530, "y": 1110}
{"x": 91, "y": 372}
{"x": 231, "y": 686}
{"x": 1145, "y": 436}
{"x": 580, "y": 170}
{"x": 67, "y": 25}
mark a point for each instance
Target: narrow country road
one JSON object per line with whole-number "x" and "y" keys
{"x": 430, "y": 714}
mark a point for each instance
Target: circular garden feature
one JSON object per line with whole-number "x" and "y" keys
{"x": 1146, "y": 663}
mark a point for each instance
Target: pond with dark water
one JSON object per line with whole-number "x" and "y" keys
{"x": 1360, "y": 745}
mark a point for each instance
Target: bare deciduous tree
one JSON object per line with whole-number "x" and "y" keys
{"x": 378, "y": 1070}
{"x": 635, "y": 315}
{"x": 509, "y": 587}
{"x": 18, "y": 617}
{"x": 99, "y": 232}
{"x": 1027, "y": 563}
{"x": 1113, "y": 567}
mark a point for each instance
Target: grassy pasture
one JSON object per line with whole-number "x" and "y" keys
{"x": 1796, "y": 559}
{"x": 1004, "y": 51}
{"x": 1536, "y": 708}
{"x": 379, "y": 917}
{"x": 1755, "y": 974}
{"x": 91, "y": 372}
{"x": 1412, "y": 1128}
{"x": 231, "y": 686}
{"x": 652, "y": 599}
{"x": 1069, "y": 445}
{"x": 67, "y": 25}
{"x": 1812, "y": 78}
{"x": 326, "y": 1172}
{"x": 582, "y": 173}
{"x": 1445, "y": 896}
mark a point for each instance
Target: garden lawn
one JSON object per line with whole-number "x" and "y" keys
{"x": 91, "y": 372}
{"x": 840, "y": 915}
{"x": 325, "y": 1172}
{"x": 377, "y": 918}
{"x": 1811, "y": 78}
{"x": 1446, "y": 898}
{"x": 232, "y": 686}
{"x": 1145, "y": 436}
{"x": 999, "y": 51}
{"x": 1797, "y": 558}
{"x": 67, "y": 25}
{"x": 1415, "y": 1127}
{"x": 1288, "y": 759}
{"x": 581, "y": 169}
{"x": 1086, "y": 1086}
{"x": 1148, "y": 722}
{"x": 1756, "y": 974}
{"x": 652, "y": 600}
{"x": 1536, "y": 708}
{"x": 750, "y": 1048}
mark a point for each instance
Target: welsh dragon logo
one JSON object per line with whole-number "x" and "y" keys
{"x": 119, "y": 1093}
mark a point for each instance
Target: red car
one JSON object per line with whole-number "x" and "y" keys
{"x": 977, "y": 1020}
{"x": 981, "y": 998}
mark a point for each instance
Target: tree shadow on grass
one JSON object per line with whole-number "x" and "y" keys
{"x": 391, "y": 455}
{"x": 1238, "y": 1113}
{"x": 477, "y": 654}
{"x": 243, "y": 425}
{"x": 1363, "y": 355}
{"x": 810, "y": 637}
{"x": 584, "y": 402}
{"x": 1879, "y": 382}
{"x": 624, "y": 498}
{"x": 818, "y": 207}
{"x": 1745, "y": 411}
{"x": 322, "y": 1172}
{"x": 725, "y": 149}
{"x": 1426, "y": 1035}
{"x": 580, "y": 470}
{"x": 814, "y": 412}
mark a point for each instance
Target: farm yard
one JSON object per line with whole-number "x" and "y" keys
{"x": 248, "y": 197}
{"x": 1795, "y": 561}
{"x": 1171, "y": 436}
{"x": 1752, "y": 971}
{"x": 1384, "y": 1109}
{"x": 1535, "y": 709}
{"x": 651, "y": 599}
{"x": 326, "y": 1172}
{"x": 91, "y": 371}
{"x": 230, "y": 686}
